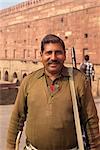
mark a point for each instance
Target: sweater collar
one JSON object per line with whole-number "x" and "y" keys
{"x": 64, "y": 72}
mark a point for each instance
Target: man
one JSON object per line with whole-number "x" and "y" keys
{"x": 44, "y": 101}
{"x": 88, "y": 68}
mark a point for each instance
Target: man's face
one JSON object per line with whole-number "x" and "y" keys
{"x": 53, "y": 57}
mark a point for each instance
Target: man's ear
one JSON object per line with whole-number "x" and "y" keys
{"x": 65, "y": 55}
{"x": 41, "y": 56}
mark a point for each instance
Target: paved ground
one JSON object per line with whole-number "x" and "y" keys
{"x": 5, "y": 113}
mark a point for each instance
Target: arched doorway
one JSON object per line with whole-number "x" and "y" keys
{"x": 6, "y": 75}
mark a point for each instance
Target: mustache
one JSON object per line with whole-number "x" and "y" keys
{"x": 54, "y": 62}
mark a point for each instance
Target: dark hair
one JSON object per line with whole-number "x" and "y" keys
{"x": 51, "y": 38}
{"x": 86, "y": 57}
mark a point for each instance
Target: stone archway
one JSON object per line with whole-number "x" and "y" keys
{"x": 6, "y": 75}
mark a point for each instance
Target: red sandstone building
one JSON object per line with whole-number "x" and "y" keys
{"x": 23, "y": 26}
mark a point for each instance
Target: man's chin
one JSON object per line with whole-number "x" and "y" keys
{"x": 54, "y": 70}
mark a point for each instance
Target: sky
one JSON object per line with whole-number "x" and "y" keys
{"x": 7, "y": 3}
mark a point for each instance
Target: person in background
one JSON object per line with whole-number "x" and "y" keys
{"x": 44, "y": 101}
{"x": 88, "y": 68}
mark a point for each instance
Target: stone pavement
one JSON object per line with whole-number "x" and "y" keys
{"x": 5, "y": 113}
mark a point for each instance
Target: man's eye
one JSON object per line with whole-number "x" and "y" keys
{"x": 49, "y": 52}
{"x": 59, "y": 52}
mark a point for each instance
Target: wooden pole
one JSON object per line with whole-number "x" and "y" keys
{"x": 75, "y": 109}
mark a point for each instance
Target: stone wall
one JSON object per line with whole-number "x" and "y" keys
{"x": 23, "y": 26}
{"x": 20, "y": 67}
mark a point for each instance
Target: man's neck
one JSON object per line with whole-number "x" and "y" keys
{"x": 52, "y": 76}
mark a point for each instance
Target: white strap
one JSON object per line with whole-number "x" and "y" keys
{"x": 18, "y": 140}
{"x": 75, "y": 109}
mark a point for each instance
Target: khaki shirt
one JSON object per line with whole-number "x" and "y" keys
{"x": 50, "y": 120}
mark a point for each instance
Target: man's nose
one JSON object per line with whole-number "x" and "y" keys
{"x": 53, "y": 55}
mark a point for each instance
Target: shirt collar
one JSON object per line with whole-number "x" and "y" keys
{"x": 64, "y": 72}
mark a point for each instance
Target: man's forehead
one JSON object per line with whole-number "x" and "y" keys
{"x": 53, "y": 46}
